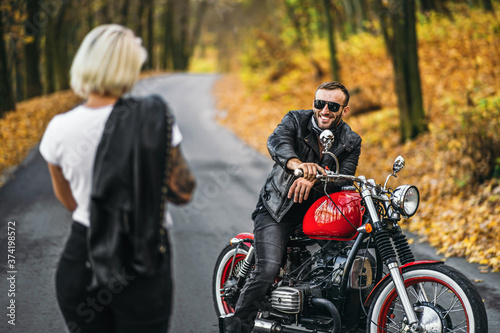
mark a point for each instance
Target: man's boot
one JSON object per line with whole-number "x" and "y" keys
{"x": 229, "y": 324}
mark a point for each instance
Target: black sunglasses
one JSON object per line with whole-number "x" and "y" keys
{"x": 332, "y": 106}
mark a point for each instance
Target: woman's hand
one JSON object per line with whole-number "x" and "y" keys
{"x": 182, "y": 183}
{"x": 61, "y": 187}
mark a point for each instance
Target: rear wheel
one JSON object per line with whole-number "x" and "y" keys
{"x": 226, "y": 272}
{"x": 443, "y": 298}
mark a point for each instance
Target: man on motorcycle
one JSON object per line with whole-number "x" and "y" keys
{"x": 284, "y": 199}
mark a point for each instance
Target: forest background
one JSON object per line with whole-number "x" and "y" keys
{"x": 273, "y": 54}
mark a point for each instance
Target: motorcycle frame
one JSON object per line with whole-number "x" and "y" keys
{"x": 248, "y": 238}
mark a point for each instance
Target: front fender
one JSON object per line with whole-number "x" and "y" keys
{"x": 369, "y": 299}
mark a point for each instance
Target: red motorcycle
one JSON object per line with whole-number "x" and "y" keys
{"x": 349, "y": 268}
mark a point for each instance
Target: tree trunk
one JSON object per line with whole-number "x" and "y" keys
{"x": 140, "y": 14}
{"x": 7, "y": 102}
{"x": 169, "y": 36}
{"x": 427, "y": 5}
{"x": 200, "y": 15}
{"x": 407, "y": 76}
{"x": 334, "y": 67}
{"x": 384, "y": 15}
{"x": 181, "y": 41}
{"x": 124, "y": 13}
{"x": 102, "y": 14}
{"x": 358, "y": 15}
{"x": 50, "y": 79}
{"x": 488, "y": 6}
{"x": 60, "y": 49}
{"x": 32, "y": 50}
{"x": 150, "y": 29}
{"x": 349, "y": 17}
{"x": 19, "y": 75}
{"x": 90, "y": 15}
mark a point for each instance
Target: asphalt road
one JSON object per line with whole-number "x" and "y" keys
{"x": 229, "y": 176}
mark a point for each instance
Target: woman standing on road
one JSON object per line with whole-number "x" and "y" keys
{"x": 114, "y": 162}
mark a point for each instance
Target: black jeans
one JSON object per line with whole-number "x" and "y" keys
{"x": 131, "y": 304}
{"x": 270, "y": 242}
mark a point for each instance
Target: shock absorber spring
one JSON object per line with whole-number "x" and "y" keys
{"x": 245, "y": 269}
{"x": 403, "y": 249}
{"x": 384, "y": 245}
{"x": 248, "y": 263}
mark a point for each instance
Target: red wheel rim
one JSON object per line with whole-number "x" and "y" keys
{"x": 382, "y": 320}
{"x": 225, "y": 276}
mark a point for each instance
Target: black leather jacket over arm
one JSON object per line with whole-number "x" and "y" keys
{"x": 294, "y": 138}
{"x": 126, "y": 209}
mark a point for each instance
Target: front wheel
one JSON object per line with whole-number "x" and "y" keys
{"x": 443, "y": 298}
{"x": 224, "y": 274}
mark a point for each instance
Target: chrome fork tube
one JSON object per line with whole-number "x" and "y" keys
{"x": 397, "y": 278}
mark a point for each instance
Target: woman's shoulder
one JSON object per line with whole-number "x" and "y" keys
{"x": 59, "y": 120}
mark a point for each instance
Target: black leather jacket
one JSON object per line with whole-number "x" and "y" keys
{"x": 294, "y": 138}
{"x": 127, "y": 202}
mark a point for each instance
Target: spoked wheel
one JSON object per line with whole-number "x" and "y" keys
{"x": 445, "y": 301}
{"x": 226, "y": 272}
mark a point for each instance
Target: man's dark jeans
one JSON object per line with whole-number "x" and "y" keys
{"x": 270, "y": 242}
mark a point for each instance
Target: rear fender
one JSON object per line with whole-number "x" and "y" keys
{"x": 246, "y": 236}
{"x": 369, "y": 299}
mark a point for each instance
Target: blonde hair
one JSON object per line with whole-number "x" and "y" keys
{"x": 108, "y": 62}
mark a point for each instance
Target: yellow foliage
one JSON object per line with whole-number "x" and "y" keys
{"x": 20, "y": 130}
{"x": 459, "y": 63}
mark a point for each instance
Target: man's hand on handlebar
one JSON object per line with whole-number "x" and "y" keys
{"x": 310, "y": 170}
{"x": 302, "y": 186}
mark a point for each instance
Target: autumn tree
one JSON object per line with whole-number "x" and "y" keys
{"x": 180, "y": 36}
{"x": 57, "y": 35}
{"x": 399, "y": 31}
{"x": 32, "y": 25}
{"x": 150, "y": 33}
{"x": 6, "y": 96}
{"x": 330, "y": 29}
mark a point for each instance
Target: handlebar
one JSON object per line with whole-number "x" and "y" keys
{"x": 330, "y": 176}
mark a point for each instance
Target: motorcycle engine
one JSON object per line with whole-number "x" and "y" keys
{"x": 292, "y": 299}
{"x": 327, "y": 272}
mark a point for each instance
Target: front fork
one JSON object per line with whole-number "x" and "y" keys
{"x": 388, "y": 255}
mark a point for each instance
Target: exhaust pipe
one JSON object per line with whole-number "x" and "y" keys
{"x": 326, "y": 304}
{"x": 268, "y": 326}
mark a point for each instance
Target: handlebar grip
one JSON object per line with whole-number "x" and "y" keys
{"x": 298, "y": 173}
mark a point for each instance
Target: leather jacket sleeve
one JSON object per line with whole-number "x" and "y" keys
{"x": 349, "y": 164}
{"x": 281, "y": 143}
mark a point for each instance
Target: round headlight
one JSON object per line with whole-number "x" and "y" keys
{"x": 405, "y": 200}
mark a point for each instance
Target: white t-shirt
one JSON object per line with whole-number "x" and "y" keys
{"x": 70, "y": 142}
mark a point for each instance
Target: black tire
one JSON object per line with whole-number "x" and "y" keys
{"x": 221, "y": 275}
{"x": 452, "y": 302}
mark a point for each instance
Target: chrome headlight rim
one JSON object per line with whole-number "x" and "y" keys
{"x": 398, "y": 200}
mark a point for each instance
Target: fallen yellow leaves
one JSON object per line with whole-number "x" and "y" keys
{"x": 20, "y": 130}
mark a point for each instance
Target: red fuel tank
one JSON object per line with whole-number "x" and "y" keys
{"x": 324, "y": 221}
